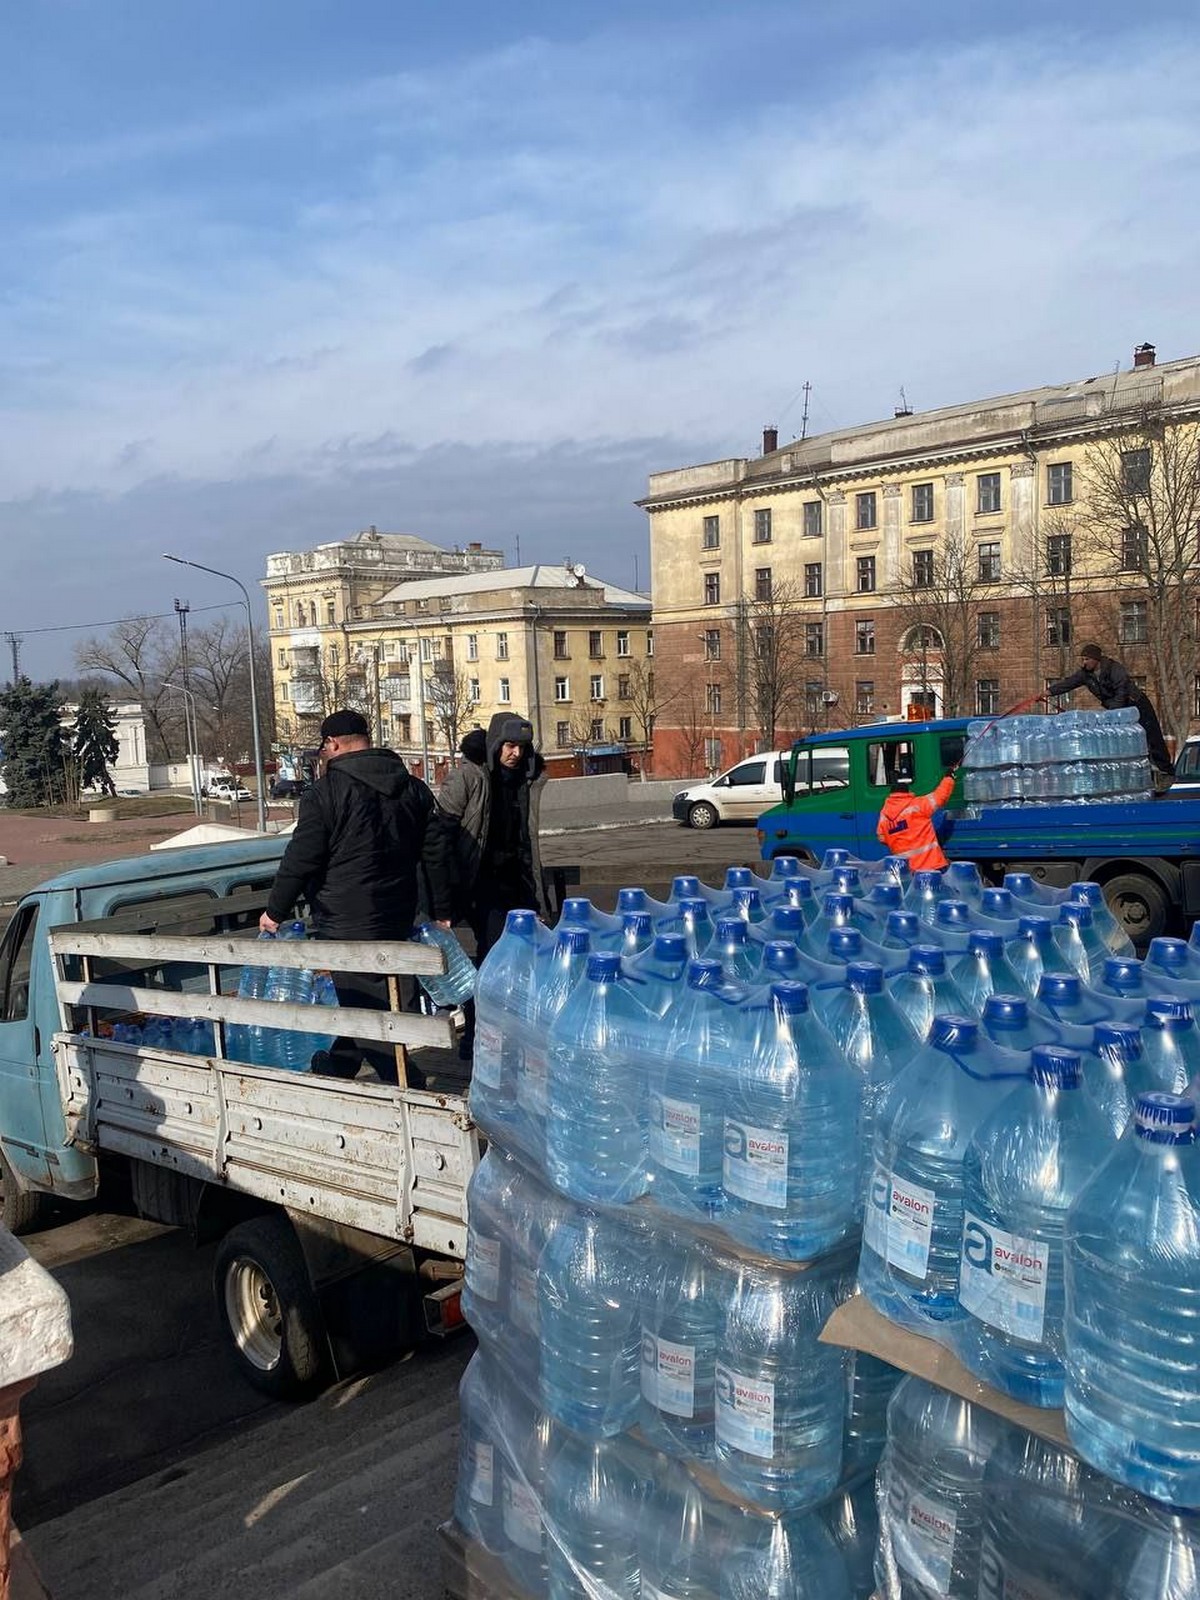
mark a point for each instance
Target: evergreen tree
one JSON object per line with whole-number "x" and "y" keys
{"x": 35, "y": 751}
{"x": 94, "y": 741}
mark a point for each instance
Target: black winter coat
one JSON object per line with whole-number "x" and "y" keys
{"x": 369, "y": 849}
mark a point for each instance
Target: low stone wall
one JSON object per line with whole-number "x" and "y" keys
{"x": 610, "y": 789}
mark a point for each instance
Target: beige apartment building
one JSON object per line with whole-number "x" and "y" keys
{"x": 946, "y": 562}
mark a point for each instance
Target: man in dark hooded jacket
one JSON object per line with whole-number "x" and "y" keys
{"x": 1112, "y": 685}
{"x": 369, "y": 849}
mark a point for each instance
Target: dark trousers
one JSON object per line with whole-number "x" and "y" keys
{"x": 368, "y": 991}
{"x": 1156, "y": 745}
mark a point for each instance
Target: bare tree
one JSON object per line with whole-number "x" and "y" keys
{"x": 449, "y": 696}
{"x": 939, "y": 601}
{"x": 647, "y": 700}
{"x": 693, "y": 725}
{"x": 787, "y": 647}
{"x": 140, "y": 652}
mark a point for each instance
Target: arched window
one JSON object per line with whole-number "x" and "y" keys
{"x": 920, "y": 639}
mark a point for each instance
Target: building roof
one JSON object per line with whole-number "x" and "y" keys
{"x": 539, "y": 576}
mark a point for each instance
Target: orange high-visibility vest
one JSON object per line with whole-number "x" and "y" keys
{"x": 906, "y": 826}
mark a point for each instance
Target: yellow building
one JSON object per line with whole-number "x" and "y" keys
{"x": 949, "y": 561}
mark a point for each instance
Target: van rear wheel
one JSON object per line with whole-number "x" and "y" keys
{"x": 703, "y": 815}
{"x": 270, "y": 1309}
{"x": 1139, "y": 904}
{"x": 21, "y": 1210}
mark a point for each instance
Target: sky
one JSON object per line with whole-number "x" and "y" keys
{"x": 276, "y": 271}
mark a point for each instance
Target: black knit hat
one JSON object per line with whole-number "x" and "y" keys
{"x": 345, "y": 725}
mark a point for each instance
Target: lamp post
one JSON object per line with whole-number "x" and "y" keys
{"x": 712, "y": 708}
{"x": 260, "y": 776}
{"x": 189, "y": 704}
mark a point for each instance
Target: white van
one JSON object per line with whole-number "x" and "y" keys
{"x": 740, "y": 795}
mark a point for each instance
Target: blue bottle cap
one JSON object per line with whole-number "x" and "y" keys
{"x": 747, "y": 900}
{"x": 927, "y": 878}
{"x": 844, "y": 943}
{"x": 1039, "y": 927}
{"x": 953, "y": 1033}
{"x": 962, "y": 872}
{"x": 631, "y": 899}
{"x": 731, "y": 930}
{"x": 847, "y": 880}
{"x": 800, "y": 889}
{"x": 1059, "y": 987}
{"x": 1169, "y": 954}
{"x": 997, "y": 903}
{"x": 983, "y": 942}
{"x": 865, "y": 975}
{"x": 787, "y": 920}
{"x": 1162, "y": 1012}
{"x": 670, "y": 947}
{"x": 604, "y": 966}
{"x": 835, "y": 856}
{"x": 838, "y": 905}
{"x": 1086, "y": 892}
{"x": 1123, "y": 972}
{"x": 704, "y": 974}
{"x": 738, "y": 878}
{"x": 685, "y": 886}
{"x": 578, "y": 908}
{"x": 780, "y": 955}
{"x": 1163, "y": 1118}
{"x": 521, "y": 922}
{"x": 953, "y": 914}
{"x": 1123, "y": 1036}
{"x": 904, "y": 924}
{"x": 1072, "y": 914}
{"x": 1006, "y": 1010}
{"x": 886, "y": 894}
{"x": 1018, "y": 883}
{"x": 790, "y": 997}
{"x": 576, "y": 941}
{"x": 785, "y": 867}
{"x": 928, "y": 959}
{"x": 636, "y": 922}
{"x": 1055, "y": 1068}
{"x": 696, "y": 907}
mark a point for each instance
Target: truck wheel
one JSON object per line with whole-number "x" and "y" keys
{"x": 21, "y": 1210}
{"x": 269, "y": 1308}
{"x": 703, "y": 815}
{"x": 1139, "y": 905}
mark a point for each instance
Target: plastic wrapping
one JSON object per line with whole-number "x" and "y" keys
{"x": 1075, "y": 758}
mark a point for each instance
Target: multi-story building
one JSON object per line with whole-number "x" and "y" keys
{"x": 945, "y": 562}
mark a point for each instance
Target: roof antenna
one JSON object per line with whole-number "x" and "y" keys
{"x": 804, "y": 418}
{"x": 903, "y": 409}
{"x": 518, "y": 549}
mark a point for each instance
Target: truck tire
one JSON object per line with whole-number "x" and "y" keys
{"x": 1139, "y": 904}
{"x": 703, "y": 815}
{"x": 269, "y": 1308}
{"x": 21, "y": 1210}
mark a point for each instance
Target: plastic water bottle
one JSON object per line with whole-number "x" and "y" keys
{"x": 781, "y": 962}
{"x": 1034, "y": 952}
{"x": 1165, "y": 1562}
{"x": 901, "y": 931}
{"x": 852, "y": 1520}
{"x": 687, "y": 1094}
{"x": 594, "y": 1489}
{"x": 912, "y": 1230}
{"x": 247, "y": 1041}
{"x": 999, "y": 906}
{"x": 963, "y": 881}
{"x": 1026, "y": 1163}
{"x": 785, "y": 922}
{"x": 924, "y": 989}
{"x": 982, "y": 971}
{"x": 596, "y": 1091}
{"x": 791, "y": 1163}
{"x": 477, "y": 1493}
{"x": 1025, "y": 889}
{"x": 1114, "y": 1072}
{"x": 636, "y": 899}
{"x": 1009, "y": 1023}
{"x": 679, "y": 1347}
{"x": 526, "y": 1433}
{"x": 1076, "y": 936}
{"x": 747, "y": 904}
{"x": 1132, "y": 1397}
{"x": 791, "y": 1558}
{"x": 561, "y": 970}
{"x": 1063, "y": 996}
{"x": 883, "y": 897}
{"x": 780, "y": 1393}
{"x": 694, "y": 920}
{"x": 930, "y": 1492}
{"x": 731, "y": 946}
{"x": 681, "y": 1535}
{"x": 1170, "y": 1044}
{"x": 531, "y": 1214}
{"x": 591, "y": 1287}
{"x": 953, "y": 919}
{"x": 286, "y": 1047}
{"x": 656, "y": 976}
{"x": 1110, "y": 930}
{"x": 924, "y": 892}
{"x": 489, "y": 1248}
{"x": 1171, "y": 968}
{"x": 637, "y": 933}
{"x": 505, "y": 991}
{"x": 870, "y": 1384}
{"x": 579, "y": 912}
{"x": 457, "y": 983}
{"x": 1123, "y": 978}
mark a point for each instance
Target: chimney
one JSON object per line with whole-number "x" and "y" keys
{"x": 770, "y": 440}
{"x": 474, "y": 545}
{"x": 1143, "y": 355}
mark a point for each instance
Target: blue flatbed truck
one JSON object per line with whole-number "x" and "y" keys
{"x": 1145, "y": 854}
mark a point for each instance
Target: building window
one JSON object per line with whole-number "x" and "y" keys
{"x": 1058, "y": 555}
{"x": 762, "y": 527}
{"x": 445, "y": 602}
{"x": 864, "y": 637}
{"x": 595, "y": 644}
{"x": 989, "y": 561}
{"x": 712, "y": 644}
{"x": 987, "y": 493}
{"x": 623, "y": 686}
{"x": 1135, "y": 549}
{"x": 331, "y": 655}
{"x": 562, "y": 689}
{"x": 501, "y": 647}
{"x": 712, "y": 699}
{"x": 922, "y": 569}
{"x": 1059, "y": 486}
{"x": 712, "y": 588}
{"x": 865, "y": 582}
{"x": 596, "y": 686}
{"x": 812, "y": 519}
{"x": 282, "y": 658}
{"x": 301, "y": 614}
{"x": 989, "y": 630}
{"x": 473, "y": 691}
{"x": 864, "y": 509}
{"x": 712, "y": 533}
{"x": 561, "y": 653}
{"x": 330, "y": 614}
{"x": 596, "y": 730}
{"x": 279, "y": 616}
{"x": 712, "y": 754}
{"x": 426, "y": 648}
{"x": 622, "y": 641}
{"x": 864, "y": 697}
{"x": 922, "y": 502}
{"x": 814, "y": 638}
{"x": 649, "y": 641}
{"x": 625, "y": 729}
{"x": 504, "y": 691}
{"x": 987, "y": 697}
{"x": 762, "y": 583}
{"x": 1131, "y": 628}
{"x": 562, "y": 735}
{"x": 1135, "y": 471}
{"x": 283, "y": 691}
{"x": 1058, "y": 625}
{"x": 814, "y": 583}
{"x": 472, "y": 647}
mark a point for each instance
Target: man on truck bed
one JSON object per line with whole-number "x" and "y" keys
{"x": 368, "y": 849}
{"x": 906, "y": 822}
{"x": 1110, "y": 682}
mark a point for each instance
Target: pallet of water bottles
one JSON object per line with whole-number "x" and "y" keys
{"x": 1074, "y": 758}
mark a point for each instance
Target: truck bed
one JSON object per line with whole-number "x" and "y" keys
{"x": 1130, "y": 828}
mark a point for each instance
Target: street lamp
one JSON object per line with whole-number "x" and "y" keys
{"x": 712, "y": 705}
{"x": 260, "y": 776}
{"x": 192, "y": 753}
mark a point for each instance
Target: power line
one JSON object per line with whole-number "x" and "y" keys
{"x": 113, "y": 622}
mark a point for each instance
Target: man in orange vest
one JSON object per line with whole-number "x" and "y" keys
{"x": 906, "y": 823}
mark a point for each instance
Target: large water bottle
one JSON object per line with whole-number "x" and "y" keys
{"x": 930, "y": 1493}
{"x": 791, "y": 1162}
{"x": 679, "y": 1346}
{"x": 595, "y": 1489}
{"x": 604, "y": 928}
{"x": 901, "y": 931}
{"x": 1132, "y": 1396}
{"x": 1063, "y": 996}
{"x": 785, "y": 922}
{"x": 1170, "y": 1044}
{"x": 457, "y": 983}
{"x": 687, "y": 1094}
{"x": 285, "y": 1047}
{"x": 801, "y": 894}
{"x": 1026, "y": 890}
{"x": 786, "y": 1558}
{"x": 883, "y": 897}
{"x": 596, "y": 1092}
{"x": 747, "y": 904}
{"x": 1034, "y": 952}
{"x": 526, "y": 1433}
{"x": 693, "y": 918}
{"x": 780, "y": 1392}
{"x": 924, "y": 989}
{"x": 560, "y": 970}
{"x": 982, "y": 971}
{"x": 1164, "y": 1563}
{"x": 870, "y": 1383}
{"x": 478, "y": 1491}
{"x": 952, "y": 921}
{"x": 637, "y": 933}
{"x": 1171, "y": 966}
{"x": 1026, "y": 1163}
{"x": 924, "y": 892}
{"x": 1076, "y": 936}
{"x": 732, "y": 947}
{"x": 532, "y": 1212}
{"x": 963, "y": 882}
{"x": 489, "y": 1248}
{"x": 1110, "y": 930}
{"x": 998, "y": 905}
{"x": 636, "y": 899}
{"x": 1009, "y": 1023}
{"x": 1124, "y": 978}
{"x": 912, "y": 1230}
{"x": 1114, "y": 1072}
{"x": 591, "y": 1287}
{"x": 680, "y": 1540}
{"x": 852, "y": 1518}
{"x": 248, "y": 1041}
{"x": 656, "y": 976}
{"x": 505, "y": 992}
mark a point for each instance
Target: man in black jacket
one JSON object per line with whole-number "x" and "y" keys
{"x": 369, "y": 849}
{"x": 1111, "y": 684}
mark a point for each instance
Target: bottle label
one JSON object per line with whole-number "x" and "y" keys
{"x": 899, "y": 1221}
{"x": 745, "y": 1415}
{"x": 756, "y": 1163}
{"x": 668, "y": 1375}
{"x": 485, "y": 1267}
{"x": 483, "y": 1477}
{"x": 533, "y": 1081}
{"x": 521, "y": 1515}
{"x": 523, "y": 1298}
{"x": 675, "y": 1135}
{"x": 1002, "y": 1279}
{"x": 998, "y": 1581}
{"x": 927, "y": 1548}
{"x": 489, "y": 1052}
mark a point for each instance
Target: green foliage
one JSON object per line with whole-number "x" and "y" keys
{"x": 94, "y": 740}
{"x": 35, "y": 752}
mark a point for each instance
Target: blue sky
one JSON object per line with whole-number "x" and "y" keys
{"x": 275, "y": 271}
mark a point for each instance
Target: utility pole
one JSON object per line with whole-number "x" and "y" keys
{"x": 14, "y": 644}
{"x": 190, "y": 722}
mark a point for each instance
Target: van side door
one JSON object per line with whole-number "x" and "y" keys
{"x": 22, "y": 1118}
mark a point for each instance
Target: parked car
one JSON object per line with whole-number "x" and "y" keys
{"x": 227, "y": 789}
{"x": 289, "y": 788}
{"x": 741, "y": 794}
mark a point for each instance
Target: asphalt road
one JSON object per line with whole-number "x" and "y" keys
{"x": 152, "y": 1469}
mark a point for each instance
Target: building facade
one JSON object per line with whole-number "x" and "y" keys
{"x": 946, "y": 562}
